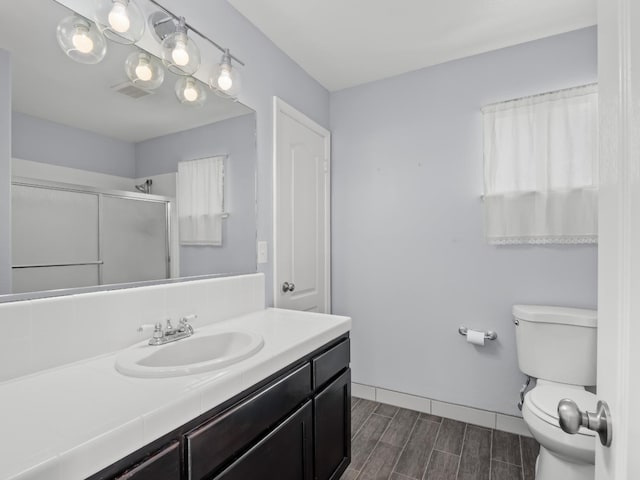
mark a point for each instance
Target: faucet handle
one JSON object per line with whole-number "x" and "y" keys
{"x": 157, "y": 330}
{"x": 185, "y": 322}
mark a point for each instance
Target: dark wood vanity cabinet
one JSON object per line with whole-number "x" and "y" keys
{"x": 332, "y": 428}
{"x": 284, "y": 454}
{"x": 295, "y": 425}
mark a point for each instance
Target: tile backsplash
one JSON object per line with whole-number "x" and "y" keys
{"x": 45, "y": 333}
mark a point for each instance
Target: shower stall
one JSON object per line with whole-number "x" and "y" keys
{"x": 66, "y": 236}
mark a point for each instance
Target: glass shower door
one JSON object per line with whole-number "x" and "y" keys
{"x": 55, "y": 236}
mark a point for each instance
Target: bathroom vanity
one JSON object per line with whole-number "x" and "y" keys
{"x": 294, "y": 425}
{"x": 70, "y": 414}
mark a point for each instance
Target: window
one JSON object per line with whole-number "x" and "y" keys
{"x": 201, "y": 201}
{"x": 541, "y": 168}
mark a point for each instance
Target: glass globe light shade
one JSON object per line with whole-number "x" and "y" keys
{"x": 81, "y": 40}
{"x": 190, "y": 92}
{"x": 144, "y": 70}
{"x": 180, "y": 54}
{"x": 120, "y": 20}
{"x": 225, "y": 79}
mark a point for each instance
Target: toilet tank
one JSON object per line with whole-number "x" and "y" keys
{"x": 557, "y": 343}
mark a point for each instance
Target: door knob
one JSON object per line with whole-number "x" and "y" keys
{"x": 288, "y": 287}
{"x": 572, "y": 418}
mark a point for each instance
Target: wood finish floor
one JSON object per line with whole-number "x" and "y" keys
{"x": 390, "y": 443}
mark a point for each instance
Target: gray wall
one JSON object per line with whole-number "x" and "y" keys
{"x": 236, "y": 138}
{"x": 268, "y": 73}
{"x": 35, "y": 139}
{"x": 5, "y": 172}
{"x": 410, "y": 263}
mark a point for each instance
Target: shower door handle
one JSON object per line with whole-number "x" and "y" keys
{"x": 572, "y": 418}
{"x": 288, "y": 287}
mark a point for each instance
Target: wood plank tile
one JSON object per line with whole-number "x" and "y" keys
{"x": 530, "y": 449}
{"x": 400, "y": 428}
{"x": 451, "y": 436}
{"x": 506, "y": 448}
{"x": 415, "y": 456}
{"x": 360, "y": 414}
{"x": 386, "y": 410}
{"x": 350, "y": 474}
{"x": 442, "y": 466}
{"x": 397, "y": 476}
{"x": 354, "y": 402}
{"x": 380, "y": 464}
{"x": 366, "y": 440}
{"x": 431, "y": 418}
{"x": 505, "y": 471}
{"x": 475, "y": 461}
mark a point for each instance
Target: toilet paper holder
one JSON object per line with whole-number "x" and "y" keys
{"x": 490, "y": 335}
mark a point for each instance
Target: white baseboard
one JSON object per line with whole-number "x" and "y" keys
{"x": 363, "y": 391}
{"x": 475, "y": 416}
{"x": 404, "y": 400}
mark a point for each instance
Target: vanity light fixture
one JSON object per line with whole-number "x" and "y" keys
{"x": 144, "y": 70}
{"x": 225, "y": 79}
{"x": 81, "y": 40}
{"x": 180, "y": 54}
{"x": 120, "y": 20}
{"x": 190, "y": 92}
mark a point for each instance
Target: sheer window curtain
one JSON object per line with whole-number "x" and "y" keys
{"x": 541, "y": 168}
{"x": 201, "y": 201}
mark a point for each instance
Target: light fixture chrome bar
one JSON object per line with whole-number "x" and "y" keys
{"x": 176, "y": 17}
{"x": 47, "y": 265}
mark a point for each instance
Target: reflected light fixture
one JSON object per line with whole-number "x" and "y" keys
{"x": 144, "y": 70}
{"x": 120, "y": 20}
{"x": 190, "y": 92}
{"x": 180, "y": 54}
{"x": 225, "y": 79}
{"x": 81, "y": 40}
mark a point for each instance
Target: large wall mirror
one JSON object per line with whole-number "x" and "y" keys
{"x": 95, "y": 165}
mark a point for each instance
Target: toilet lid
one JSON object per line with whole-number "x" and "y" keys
{"x": 545, "y": 399}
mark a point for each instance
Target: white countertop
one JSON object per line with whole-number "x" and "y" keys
{"x": 70, "y": 422}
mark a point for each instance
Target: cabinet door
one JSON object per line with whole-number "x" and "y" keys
{"x": 284, "y": 454}
{"x": 164, "y": 465}
{"x": 332, "y": 421}
{"x": 210, "y": 446}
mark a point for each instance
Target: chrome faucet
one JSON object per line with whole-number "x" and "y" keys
{"x": 167, "y": 334}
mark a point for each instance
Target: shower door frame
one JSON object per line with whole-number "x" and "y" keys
{"x": 101, "y": 193}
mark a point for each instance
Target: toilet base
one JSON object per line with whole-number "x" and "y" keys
{"x": 552, "y": 467}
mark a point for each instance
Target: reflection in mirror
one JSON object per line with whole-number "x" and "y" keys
{"x": 95, "y": 162}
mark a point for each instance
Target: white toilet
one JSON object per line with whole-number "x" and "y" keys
{"x": 557, "y": 346}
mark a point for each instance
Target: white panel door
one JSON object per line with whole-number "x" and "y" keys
{"x": 619, "y": 235}
{"x": 301, "y": 211}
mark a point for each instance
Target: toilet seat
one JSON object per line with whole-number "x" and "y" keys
{"x": 543, "y": 403}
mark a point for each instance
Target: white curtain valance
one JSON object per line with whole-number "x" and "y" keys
{"x": 541, "y": 168}
{"x": 201, "y": 201}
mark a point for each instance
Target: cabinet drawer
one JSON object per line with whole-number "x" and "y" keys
{"x": 210, "y": 446}
{"x": 164, "y": 465}
{"x": 330, "y": 363}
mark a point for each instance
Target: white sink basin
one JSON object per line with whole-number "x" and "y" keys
{"x": 199, "y": 353}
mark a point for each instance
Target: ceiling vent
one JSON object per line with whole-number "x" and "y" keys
{"x": 130, "y": 90}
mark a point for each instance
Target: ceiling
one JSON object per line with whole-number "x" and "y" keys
{"x": 343, "y": 43}
{"x": 49, "y": 85}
